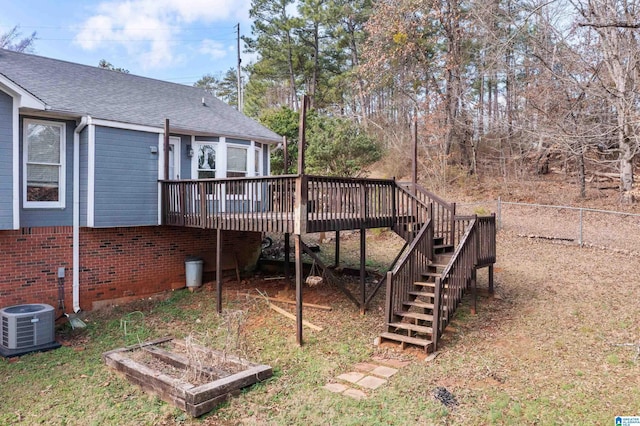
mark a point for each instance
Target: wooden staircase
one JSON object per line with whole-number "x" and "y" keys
{"x": 413, "y": 323}
{"x": 437, "y": 267}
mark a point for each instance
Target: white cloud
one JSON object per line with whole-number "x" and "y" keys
{"x": 148, "y": 29}
{"x": 212, "y": 48}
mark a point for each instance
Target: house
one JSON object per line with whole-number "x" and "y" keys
{"x": 82, "y": 157}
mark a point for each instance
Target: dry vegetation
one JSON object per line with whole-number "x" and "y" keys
{"x": 557, "y": 345}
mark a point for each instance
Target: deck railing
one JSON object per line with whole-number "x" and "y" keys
{"x": 268, "y": 204}
{"x": 349, "y": 203}
{"x": 414, "y": 261}
{"x": 444, "y": 226}
{"x": 476, "y": 247}
{"x": 264, "y": 204}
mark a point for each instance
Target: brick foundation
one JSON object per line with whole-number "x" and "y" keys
{"x": 114, "y": 262}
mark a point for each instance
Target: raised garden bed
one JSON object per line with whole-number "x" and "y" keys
{"x": 194, "y": 378}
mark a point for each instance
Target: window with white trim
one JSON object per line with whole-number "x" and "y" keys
{"x": 236, "y": 167}
{"x": 206, "y": 156}
{"x": 44, "y": 163}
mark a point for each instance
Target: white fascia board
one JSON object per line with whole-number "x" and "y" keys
{"x": 160, "y": 174}
{"x": 16, "y": 162}
{"x": 25, "y": 99}
{"x": 127, "y": 126}
{"x": 91, "y": 173}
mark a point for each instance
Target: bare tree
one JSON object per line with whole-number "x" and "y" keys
{"x": 11, "y": 40}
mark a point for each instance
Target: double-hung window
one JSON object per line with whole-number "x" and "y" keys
{"x": 236, "y": 167}
{"x": 44, "y": 164}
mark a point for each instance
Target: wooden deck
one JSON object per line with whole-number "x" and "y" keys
{"x": 426, "y": 281}
{"x": 269, "y": 204}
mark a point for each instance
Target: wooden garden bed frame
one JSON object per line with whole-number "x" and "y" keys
{"x": 196, "y": 400}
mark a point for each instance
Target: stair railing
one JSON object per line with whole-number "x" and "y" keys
{"x": 414, "y": 260}
{"x": 456, "y": 277}
{"x": 444, "y": 225}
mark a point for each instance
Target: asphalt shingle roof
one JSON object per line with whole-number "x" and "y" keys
{"x": 77, "y": 89}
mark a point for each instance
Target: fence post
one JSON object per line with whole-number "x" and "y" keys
{"x": 580, "y": 240}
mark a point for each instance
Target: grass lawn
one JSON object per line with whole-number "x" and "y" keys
{"x": 545, "y": 351}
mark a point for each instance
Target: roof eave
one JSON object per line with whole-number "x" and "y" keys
{"x": 25, "y": 98}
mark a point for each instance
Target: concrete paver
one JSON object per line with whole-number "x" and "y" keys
{"x": 352, "y": 377}
{"x": 371, "y": 382}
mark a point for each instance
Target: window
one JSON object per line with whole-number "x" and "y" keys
{"x": 206, "y": 161}
{"x": 236, "y": 167}
{"x": 256, "y": 162}
{"x": 44, "y": 163}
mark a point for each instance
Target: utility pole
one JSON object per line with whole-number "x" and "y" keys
{"x": 239, "y": 65}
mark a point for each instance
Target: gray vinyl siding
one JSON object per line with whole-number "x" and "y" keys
{"x": 265, "y": 159}
{"x": 33, "y": 217}
{"x": 84, "y": 173}
{"x": 6, "y": 161}
{"x": 185, "y": 160}
{"x": 126, "y": 178}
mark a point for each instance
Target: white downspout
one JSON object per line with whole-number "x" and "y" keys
{"x": 76, "y": 212}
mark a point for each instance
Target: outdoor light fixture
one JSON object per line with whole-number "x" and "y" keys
{"x": 189, "y": 151}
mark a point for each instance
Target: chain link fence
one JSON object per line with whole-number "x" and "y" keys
{"x": 605, "y": 229}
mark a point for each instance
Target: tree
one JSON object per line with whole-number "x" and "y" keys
{"x": 615, "y": 26}
{"x": 104, "y": 64}
{"x": 226, "y": 89}
{"x": 339, "y": 147}
{"x": 11, "y": 40}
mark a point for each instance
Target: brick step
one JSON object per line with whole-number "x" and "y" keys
{"x": 411, "y": 327}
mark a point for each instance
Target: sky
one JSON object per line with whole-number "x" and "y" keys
{"x": 172, "y": 40}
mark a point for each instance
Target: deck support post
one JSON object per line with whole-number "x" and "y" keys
{"x": 219, "y": 270}
{"x": 491, "y": 278}
{"x": 363, "y": 271}
{"x": 336, "y": 263}
{"x": 299, "y": 283}
{"x": 287, "y": 256}
{"x": 474, "y": 291}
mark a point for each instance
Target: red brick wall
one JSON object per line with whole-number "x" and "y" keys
{"x": 114, "y": 262}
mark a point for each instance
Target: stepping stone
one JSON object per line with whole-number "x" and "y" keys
{"x": 352, "y": 377}
{"x": 383, "y": 371}
{"x": 355, "y": 394}
{"x": 365, "y": 366}
{"x": 371, "y": 382}
{"x": 335, "y": 387}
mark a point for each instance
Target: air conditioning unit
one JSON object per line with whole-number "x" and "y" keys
{"x": 27, "y": 328}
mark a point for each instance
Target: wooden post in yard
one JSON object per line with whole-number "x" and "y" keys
{"x": 299, "y": 283}
{"x": 287, "y": 256}
{"x": 363, "y": 271}
{"x": 166, "y": 149}
{"x": 414, "y": 163}
{"x": 285, "y": 149}
{"x": 219, "y": 270}
{"x": 336, "y": 263}
{"x": 300, "y": 209}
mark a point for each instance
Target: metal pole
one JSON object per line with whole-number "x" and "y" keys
{"x": 499, "y": 211}
{"x": 580, "y": 240}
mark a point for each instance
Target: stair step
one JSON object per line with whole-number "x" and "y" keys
{"x": 431, "y": 274}
{"x": 414, "y": 315}
{"x": 430, "y": 284}
{"x": 442, "y": 248}
{"x": 412, "y": 327}
{"x": 439, "y": 265}
{"x": 406, "y": 339}
{"x": 418, "y": 304}
{"x": 421, "y": 294}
